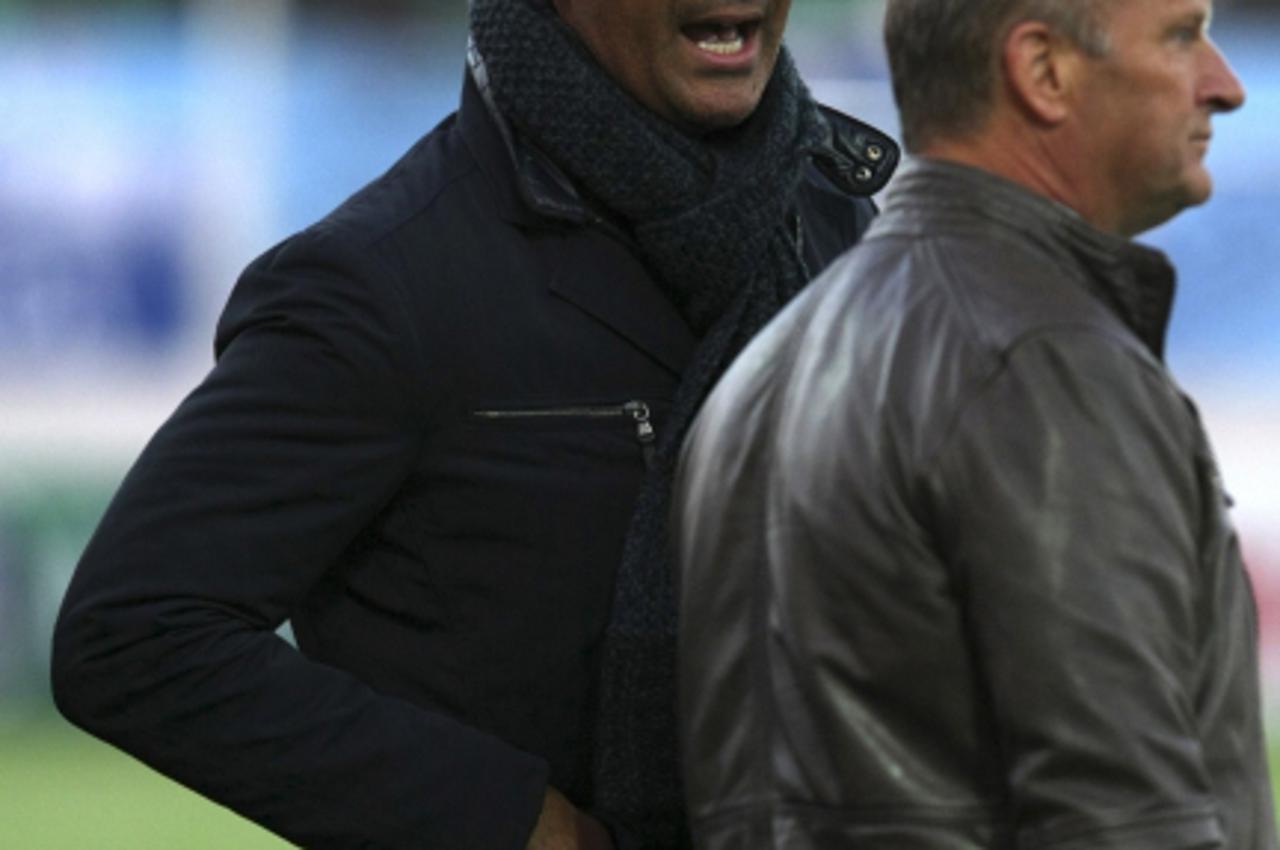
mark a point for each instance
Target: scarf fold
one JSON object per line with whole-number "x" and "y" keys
{"x": 714, "y": 219}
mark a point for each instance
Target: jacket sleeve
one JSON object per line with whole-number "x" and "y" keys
{"x": 1071, "y": 500}
{"x": 244, "y": 499}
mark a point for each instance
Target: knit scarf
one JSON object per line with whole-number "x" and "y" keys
{"x": 714, "y": 219}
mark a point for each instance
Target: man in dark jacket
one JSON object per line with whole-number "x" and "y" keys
{"x": 431, "y": 421}
{"x": 958, "y": 569}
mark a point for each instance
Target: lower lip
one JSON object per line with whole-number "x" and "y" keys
{"x": 742, "y": 60}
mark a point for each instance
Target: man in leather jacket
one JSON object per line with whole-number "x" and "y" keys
{"x": 439, "y": 438}
{"x": 958, "y": 570}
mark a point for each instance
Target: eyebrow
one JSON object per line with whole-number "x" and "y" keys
{"x": 1202, "y": 17}
{"x": 1199, "y": 10}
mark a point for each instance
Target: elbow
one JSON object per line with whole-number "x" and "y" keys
{"x": 94, "y": 670}
{"x": 74, "y": 680}
{"x": 122, "y": 667}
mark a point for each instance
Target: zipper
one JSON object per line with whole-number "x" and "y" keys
{"x": 638, "y": 411}
{"x": 797, "y": 244}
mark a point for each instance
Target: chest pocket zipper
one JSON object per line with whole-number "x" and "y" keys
{"x": 637, "y": 411}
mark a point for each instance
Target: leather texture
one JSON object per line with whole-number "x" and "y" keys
{"x": 957, "y": 567}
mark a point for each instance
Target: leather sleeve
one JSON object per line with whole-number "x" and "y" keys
{"x": 1071, "y": 501}
{"x": 244, "y": 499}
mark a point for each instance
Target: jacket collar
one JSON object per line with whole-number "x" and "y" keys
{"x": 594, "y": 268}
{"x": 1136, "y": 282}
{"x": 855, "y": 158}
{"x": 529, "y": 189}
{"x": 531, "y": 192}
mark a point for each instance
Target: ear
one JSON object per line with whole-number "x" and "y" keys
{"x": 1040, "y": 69}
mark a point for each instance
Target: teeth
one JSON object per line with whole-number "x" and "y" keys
{"x": 724, "y": 48}
{"x": 726, "y": 42}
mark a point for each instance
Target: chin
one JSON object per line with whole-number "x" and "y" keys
{"x": 718, "y": 105}
{"x": 1201, "y": 189}
{"x": 719, "y": 114}
{"x": 1195, "y": 191}
{"x": 1159, "y": 210}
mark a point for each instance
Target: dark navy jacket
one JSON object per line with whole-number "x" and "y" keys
{"x": 420, "y": 444}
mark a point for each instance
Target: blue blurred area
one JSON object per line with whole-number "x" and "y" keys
{"x": 1228, "y": 252}
{"x": 356, "y": 107}
{"x": 89, "y": 235}
{"x": 131, "y": 145}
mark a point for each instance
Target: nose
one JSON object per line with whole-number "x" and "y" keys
{"x": 1220, "y": 88}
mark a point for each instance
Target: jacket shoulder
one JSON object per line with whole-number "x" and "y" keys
{"x": 355, "y": 252}
{"x": 412, "y": 186}
{"x": 855, "y": 158}
{"x": 853, "y": 161}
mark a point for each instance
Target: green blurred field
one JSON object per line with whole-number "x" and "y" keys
{"x": 62, "y": 790}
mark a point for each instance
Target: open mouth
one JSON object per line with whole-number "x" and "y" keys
{"x": 723, "y": 37}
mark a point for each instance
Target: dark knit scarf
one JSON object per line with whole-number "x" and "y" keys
{"x": 714, "y": 219}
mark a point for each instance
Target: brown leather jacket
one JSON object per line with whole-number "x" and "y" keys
{"x": 957, "y": 565}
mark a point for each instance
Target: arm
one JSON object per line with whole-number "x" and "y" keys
{"x": 1071, "y": 503}
{"x": 245, "y": 498}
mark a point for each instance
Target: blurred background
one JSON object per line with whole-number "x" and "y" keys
{"x": 149, "y": 150}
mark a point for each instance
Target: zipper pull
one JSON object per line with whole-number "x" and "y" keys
{"x": 797, "y": 243}
{"x": 644, "y": 429}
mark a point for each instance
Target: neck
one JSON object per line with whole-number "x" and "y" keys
{"x": 1033, "y": 158}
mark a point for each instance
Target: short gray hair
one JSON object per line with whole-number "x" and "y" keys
{"x": 943, "y": 55}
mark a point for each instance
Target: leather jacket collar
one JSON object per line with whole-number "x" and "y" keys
{"x": 1136, "y": 281}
